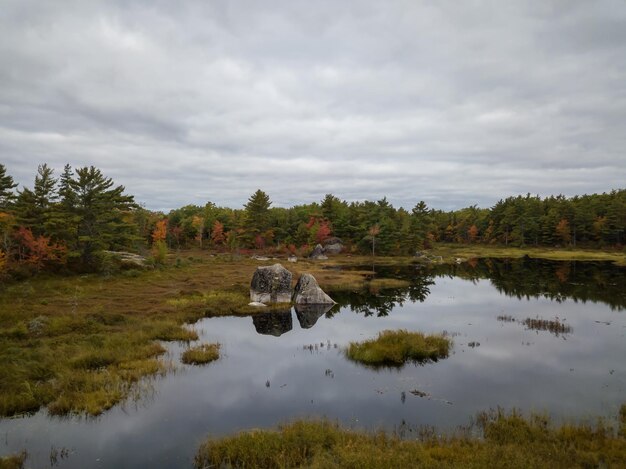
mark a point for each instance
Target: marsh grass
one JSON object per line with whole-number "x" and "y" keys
{"x": 395, "y": 348}
{"x": 82, "y": 344}
{"x": 507, "y": 440}
{"x": 200, "y": 355}
{"x": 452, "y": 251}
{"x": 13, "y": 461}
{"x": 383, "y": 283}
{"x": 555, "y": 326}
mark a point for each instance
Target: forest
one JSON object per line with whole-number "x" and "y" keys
{"x": 69, "y": 222}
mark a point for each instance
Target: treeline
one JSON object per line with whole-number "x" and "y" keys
{"x": 70, "y": 221}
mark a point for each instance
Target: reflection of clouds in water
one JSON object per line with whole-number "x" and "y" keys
{"x": 230, "y": 394}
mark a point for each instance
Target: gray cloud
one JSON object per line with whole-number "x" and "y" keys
{"x": 455, "y": 103}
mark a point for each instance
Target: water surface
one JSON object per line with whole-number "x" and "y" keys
{"x": 279, "y": 366}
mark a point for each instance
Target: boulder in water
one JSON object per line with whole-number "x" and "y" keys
{"x": 308, "y": 292}
{"x": 271, "y": 284}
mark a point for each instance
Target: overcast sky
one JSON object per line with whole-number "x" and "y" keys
{"x": 455, "y": 103}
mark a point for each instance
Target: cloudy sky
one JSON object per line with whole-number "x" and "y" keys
{"x": 454, "y": 103}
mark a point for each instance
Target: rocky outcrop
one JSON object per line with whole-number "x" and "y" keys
{"x": 333, "y": 245}
{"x": 318, "y": 253}
{"x": 271, "y": 284}
{"x": 274, "y": 323}
{"x": 309, "y": 314}
{"x": 128, "y": 260}
{"x": 308, "y": 292}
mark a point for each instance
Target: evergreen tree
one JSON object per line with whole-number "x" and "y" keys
{"x": 257, "y": 212}
{"x": 34, "y": 207}
{"x": 6, "y": 188}
{"x": 99, "y": 215}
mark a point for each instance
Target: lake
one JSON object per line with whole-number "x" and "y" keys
{"x": 529, "y": 334}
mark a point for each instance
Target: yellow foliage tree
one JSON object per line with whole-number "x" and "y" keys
{"x": 198, "y": 224}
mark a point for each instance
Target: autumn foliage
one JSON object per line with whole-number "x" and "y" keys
{"x": 217, "y": 233}
{"x": 160, "y": 231}
{"x": 39, "y": 251}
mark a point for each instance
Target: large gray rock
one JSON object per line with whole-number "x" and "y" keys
{"x": 308, "y": 292}
{"x": 333, "y": 245}
{"x": 271, "y": 284}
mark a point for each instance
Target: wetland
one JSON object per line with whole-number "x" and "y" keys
{"x": 534, "y": 335}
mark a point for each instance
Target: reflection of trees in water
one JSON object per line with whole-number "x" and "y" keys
{"x": 521, "y": 278}
{"x": 528, "y": 278}
{"x": 383, "y": 301}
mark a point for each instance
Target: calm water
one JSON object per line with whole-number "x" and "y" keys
{"x": 281, "y": 366}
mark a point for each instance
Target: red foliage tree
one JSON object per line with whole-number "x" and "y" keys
{"x": 323, "y": 232}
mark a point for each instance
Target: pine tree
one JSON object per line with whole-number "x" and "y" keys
{"x": 99, "y": 212}
{"x": 6, "y": 188}
{"x": 34, "y": 207}
{"x": 257, "y": 212}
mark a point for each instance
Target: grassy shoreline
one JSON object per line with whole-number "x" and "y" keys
{"x": 82, "y": 344}
{"x": 450, "y": 252}
{"x": 506, "y": 440}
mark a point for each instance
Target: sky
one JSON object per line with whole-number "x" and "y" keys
{"x": 454, "y": 103}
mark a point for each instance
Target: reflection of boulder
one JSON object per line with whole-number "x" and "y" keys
{"x": 271, "y": 284}
{"x": 274, "y": 323}
{"x": 318, "y": 253}
{"x": 308, "y": 292}
{"x": 309, "y": 314}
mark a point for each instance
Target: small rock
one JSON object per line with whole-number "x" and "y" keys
{"x": 257, "y": 304}
{"x": 318, "y": 253}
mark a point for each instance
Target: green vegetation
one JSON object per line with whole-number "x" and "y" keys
{"x": 201, "y": 354}
{"x": 508, "y": 441}
{"x": 81, "y": 344}
{"x": 69, "y": 222}
{"x": 395, "y": 348}
{"x": 449, "y": 252}
{"x": 14, "y": 461}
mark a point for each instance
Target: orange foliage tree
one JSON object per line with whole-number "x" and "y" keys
{"x": 563, "y": 231}
{"x": 39, "y": 250}
{"x": 217, "y": 233}
{"x": 472, "y": 233}
{"x": 159, "y": 248}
